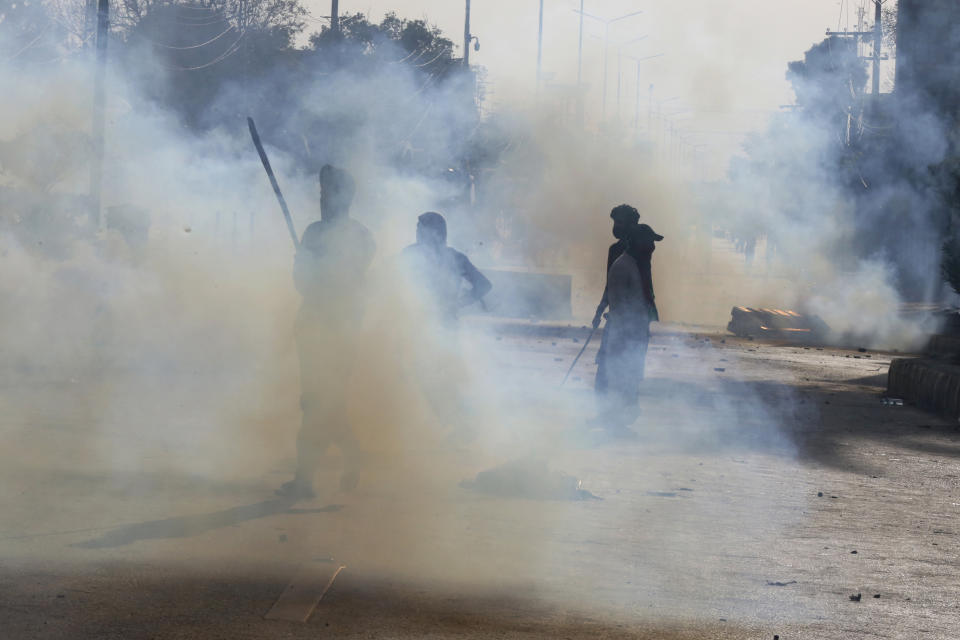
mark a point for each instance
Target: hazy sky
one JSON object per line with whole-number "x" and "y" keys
{"x": 722, "y": 68}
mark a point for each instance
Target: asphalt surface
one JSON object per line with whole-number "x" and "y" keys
{"x": 767, "y": 485}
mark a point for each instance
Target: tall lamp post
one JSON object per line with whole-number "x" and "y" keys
{"x": 636, "y": 115}
{"x": 606, "y": 46}
{"x": 539, "y": 48}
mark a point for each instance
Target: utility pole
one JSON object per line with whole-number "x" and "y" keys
{"x": 540, "y": 49}
{"x": 606, "y": 51}
{"x": 466, "y": 37}
{"x": 606, "y": 45}
{"x": 580, "y": 49}
{"x": 636, "y": 113}
{"x": 335, "y": 16}
{"x": 580, "y": 106}
{"x": 877, "y": 43}
{"x": 99, "y": 110}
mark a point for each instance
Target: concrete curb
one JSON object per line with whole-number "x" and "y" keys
{"x": 930, "y": 384}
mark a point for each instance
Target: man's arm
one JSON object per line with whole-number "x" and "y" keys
{"x": 612, "y": 254}
{"x": 604, "y": 303}
{"x": 479, "y": 285}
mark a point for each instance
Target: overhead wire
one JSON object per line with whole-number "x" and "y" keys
{"x": 30, "y": 44}
{"x": 435, "y": 58}
{"x": 193, "y": 46}
{"x": 232, "y": 49}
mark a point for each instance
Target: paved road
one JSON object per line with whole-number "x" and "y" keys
{"x": 122, "y": 518}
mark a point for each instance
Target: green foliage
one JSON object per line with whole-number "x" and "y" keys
{"x": 425, "y": 46}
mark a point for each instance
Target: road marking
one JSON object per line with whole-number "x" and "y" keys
{"x": 301, "y": 597}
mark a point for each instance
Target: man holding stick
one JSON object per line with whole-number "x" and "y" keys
{"x": 329, "y": 271}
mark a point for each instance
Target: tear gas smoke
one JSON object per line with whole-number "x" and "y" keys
{"x": 177, "y": 359}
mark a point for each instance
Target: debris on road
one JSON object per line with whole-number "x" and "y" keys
{"x": 720, "y": 369}
{"x": 895, "y": 402}
{"x": 780, "y": 584}
{"x": 782, "y": 324}
{"x": 529, "y": 479}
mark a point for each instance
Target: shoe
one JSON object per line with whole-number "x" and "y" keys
{"x": 294, "y": 489}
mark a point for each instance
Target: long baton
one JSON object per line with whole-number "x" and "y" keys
{"x": 273, "y": 181}
{"x": 592, "y": 331}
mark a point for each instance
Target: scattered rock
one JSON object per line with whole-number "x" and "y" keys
{"x": 856, "y": 598}
{"x": 558, "y": 359}
{"x": 876, "y": 595}
{"x": 862, "y": 350}
{"x": 282, "y": 537}
{"x": 576, "y": 341}
{"x": 720, "y": 369}
{"x": 854, "y": 552}
{"x": 780, "y": 584}
{"x": 819, "y": 494}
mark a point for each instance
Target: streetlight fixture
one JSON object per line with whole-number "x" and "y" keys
{"x": 636, "y": 115}
{"x": 606, "y": 22}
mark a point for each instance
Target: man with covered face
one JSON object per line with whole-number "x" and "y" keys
{"x": 625, "y": 219}
{"x": 329, "y": 271}
{"x": 627, "y": 333}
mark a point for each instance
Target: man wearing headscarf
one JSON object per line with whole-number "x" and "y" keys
{"x": 625, "y": 219}
{"x": 329, "y": 271}
{"x": 627, "y": 333}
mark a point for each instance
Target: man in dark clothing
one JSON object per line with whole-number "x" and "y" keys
{"x": 438, "y": 274}
{"x": 329, "y": 271}
{"x": 442, "y": 270}
{"x": 627, "y": 333}
{"x": 625, "y": 219}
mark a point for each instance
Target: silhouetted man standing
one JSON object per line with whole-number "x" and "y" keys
{"x": 442, "y": 271}
{"x": 625, "y": 219}
{"x": 627, "y": 333}
{"x": 446, "y": 281}
{"x": 329, "y": 272}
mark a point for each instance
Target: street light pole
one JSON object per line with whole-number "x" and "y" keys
{"x": 99, "y": 109}
{"x": 606, "y": 46}
{"x": 606, "y": 51}
{"x": 540, "y": 48}
{"x": 466, "y": 37}
{"x": 580, "y": 50}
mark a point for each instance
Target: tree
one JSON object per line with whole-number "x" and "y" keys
{"x": 28, "y": 34}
